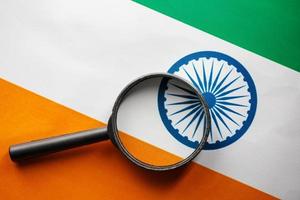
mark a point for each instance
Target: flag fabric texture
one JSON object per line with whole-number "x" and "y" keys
{"x": 62, "y": 64}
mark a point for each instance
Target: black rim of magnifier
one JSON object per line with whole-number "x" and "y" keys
{"x": 114, "y": 129}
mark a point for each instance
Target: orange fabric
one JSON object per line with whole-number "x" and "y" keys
{"x": 146, "y": 152}
{"x": 96, "y": 171}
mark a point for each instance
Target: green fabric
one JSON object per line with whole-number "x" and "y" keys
{"x": 270, "y": 28}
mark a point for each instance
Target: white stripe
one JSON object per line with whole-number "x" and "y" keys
{"x": 74, "y": 52}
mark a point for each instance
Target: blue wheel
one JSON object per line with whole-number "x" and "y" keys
{"x": 228, "y": 90}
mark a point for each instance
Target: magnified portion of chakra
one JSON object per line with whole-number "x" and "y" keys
{"x": 229, "y": 92}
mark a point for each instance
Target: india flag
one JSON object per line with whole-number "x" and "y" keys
{"x": 63, "y": 63}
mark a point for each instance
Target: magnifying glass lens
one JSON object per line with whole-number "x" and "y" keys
{"x": 153, "y": 118}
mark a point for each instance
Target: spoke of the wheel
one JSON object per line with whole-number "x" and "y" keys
{"x": 230, "y": 104}
{"x": 192, "y": 80}
{"x": 230, "y": 91}
{"x": 221, "y": 119}
{"x": 185, "y": 109}
{"x": 198, "y": 79}
{"x": 216, "y": 122}
{"x": 184, "y": 89}
{"x": 183, "y": 96}
{"x": 184, "y": 102}
{"x": 231, "y": 97}
{"x": 192, "y": 120}
{"x": 198, "y": 122}
{"x": 210, "y": 76}
{"x": 230, "y": 110}
{"x": 227, "y": 116}
{"x": 226, "y": 86}
{"x": 187, "y": 115}
{"x": 222, "y": 81}
{"x": 217, "y": 78}
{"x": 204, "y": 76}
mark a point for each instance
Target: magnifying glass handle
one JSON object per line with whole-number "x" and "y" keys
{"x": 41, "y": 147}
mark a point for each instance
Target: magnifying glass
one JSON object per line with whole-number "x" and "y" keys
{"x": 135, "y": 126}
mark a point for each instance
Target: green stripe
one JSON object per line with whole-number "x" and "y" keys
{"x": 270, "y": 28}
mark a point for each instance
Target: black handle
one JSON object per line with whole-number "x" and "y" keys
{"x": 36, "y": 148}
